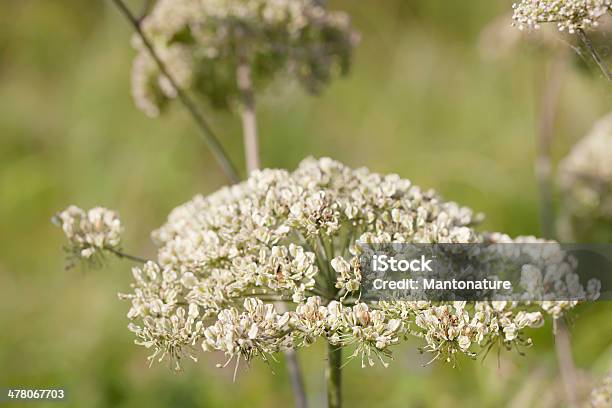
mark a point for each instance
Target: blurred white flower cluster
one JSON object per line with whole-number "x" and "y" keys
{"x": 548, "y": 273}
{"x": 585, "y": 180}
{"x": 202, "y": 42}
{"x": 601, "y": 397}
{"x": 227, "y": 259}
{"x": 568, "y": 15}
{"x": 91, "y": 232}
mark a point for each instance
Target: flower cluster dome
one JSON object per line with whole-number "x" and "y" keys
{"x": 226, "y": 260}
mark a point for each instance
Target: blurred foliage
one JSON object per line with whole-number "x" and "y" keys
{"x": 421, "y": 101}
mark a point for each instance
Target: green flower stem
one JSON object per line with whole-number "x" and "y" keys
{"x": 543, "y": 165}
{"x": 297, "y": 380}
{"x": 589, "y": 45}
{"x": 206, "y": 131}
{"x": 333, "y": 376}
{"x": 122, "y": 255}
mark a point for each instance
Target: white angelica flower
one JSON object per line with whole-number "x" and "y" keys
{"x": 90, "y": 232}
{"x": 159, "y": 318}
{"x": 568, "y": 15}
{"x": 202, "y": 42}
{"x": 292, "y": 237}
{"x": 258, "y": 331}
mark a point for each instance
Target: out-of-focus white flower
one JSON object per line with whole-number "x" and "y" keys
{"x": 202, "y": 42}
{"x": 90, "y": 232}
{"x": 568, "y": 15}
{"x": 585, "y": 180}
{"x": 601, "y": 397}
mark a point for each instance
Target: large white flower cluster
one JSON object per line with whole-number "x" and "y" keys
{"x": 568, "y": 15}
{"x": 585, "y": 180}
{"x": 90, "y": 232}
{"x": 226, "y": 260}
{"x": 202, "y": 42}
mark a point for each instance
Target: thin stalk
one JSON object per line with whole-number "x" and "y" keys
{"x": 294, "y": 370}
{"x": 543, "y": 165}
{"x": 567, "y": 367}
{"x": 297, "y": 380}
{"x": 268, "y": 298}
{"x": 247, "y": 113}
{"x": 596, "y": 57}
{"x": 121, "y": 254}
{"x": 325, "y": 260}
{"x": 206, "y": 132}
{"x": 333, "y": 376}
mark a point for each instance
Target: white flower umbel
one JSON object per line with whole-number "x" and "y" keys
{"x": 601, "y": 397}
{"x": 202, "y": 42}
{"x": 585, "y": 180}
{"x": 568, "y": 15}
{"x": 90, "y": 232}
{"x": 291, "y": 237}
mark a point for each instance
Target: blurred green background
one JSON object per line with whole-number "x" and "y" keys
{"x": 421, "y": 101}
